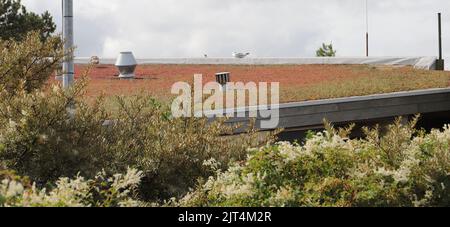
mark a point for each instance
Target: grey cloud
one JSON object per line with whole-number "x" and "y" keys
{"x": 292, "y": 28}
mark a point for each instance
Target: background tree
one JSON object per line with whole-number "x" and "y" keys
{"x": 16, "y": 22}
{"x": 326, "y": 51}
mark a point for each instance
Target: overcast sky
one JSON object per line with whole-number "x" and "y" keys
{"x": 266, "y": 28}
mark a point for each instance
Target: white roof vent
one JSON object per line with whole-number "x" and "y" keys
{"x": 126, "y": 63}
{"x": 240, "y": 55}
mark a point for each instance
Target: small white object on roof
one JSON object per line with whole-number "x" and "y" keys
{"x": 240, "y": 55}
{"x": 95, "y": 60}
{"x": 126, "y": 64}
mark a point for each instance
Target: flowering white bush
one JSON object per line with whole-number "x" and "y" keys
{"x": 103, "y": 191}
{"x": 403, "y": 167}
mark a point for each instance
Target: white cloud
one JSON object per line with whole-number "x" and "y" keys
{"x": 293, "y": 28}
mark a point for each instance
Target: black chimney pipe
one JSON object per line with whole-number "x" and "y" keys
{"x": 440, "y": 62}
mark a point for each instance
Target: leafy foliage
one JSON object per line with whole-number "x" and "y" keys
{"x": 42, "y": 139}
{"x": 16, "y": 22}
{"x": 29, "y": 63}
{"x": 326, "y": 51}
{"x": 56, "y": 133}
{"x": 403, "y": 167}
{"x": 172, "y": 151}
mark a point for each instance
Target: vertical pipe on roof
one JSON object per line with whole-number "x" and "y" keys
{"x": 440, "y": 65}
{"x": 68, "y": 64}
{"x": 367, "y": 28}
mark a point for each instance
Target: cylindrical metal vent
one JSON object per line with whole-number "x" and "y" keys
{"x": 126, "y": 63}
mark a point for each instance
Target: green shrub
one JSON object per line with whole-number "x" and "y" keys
{"x": 29, "y": 63}
{"x": 56, "y": 133}
{"x": 42, "y": 139}
{"x": 402, "y": 167}
{"x": 172, "y": 152}
{"x": 103, "y": 191}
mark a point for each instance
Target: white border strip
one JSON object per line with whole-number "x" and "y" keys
{"x": 427, "y": 63}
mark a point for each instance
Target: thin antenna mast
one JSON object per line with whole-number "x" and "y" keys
{"x": 367, "y": 28}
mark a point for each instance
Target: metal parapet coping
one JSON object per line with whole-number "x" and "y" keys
{"x": 427, "y": 63}
{"x": 312, "y": 113}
